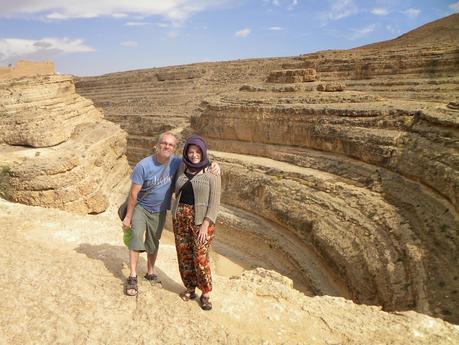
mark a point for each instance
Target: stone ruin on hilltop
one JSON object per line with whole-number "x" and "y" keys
{"x": 25, "y": 68}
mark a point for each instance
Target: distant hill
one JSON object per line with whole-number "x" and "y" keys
{"x": 444, "y": 31}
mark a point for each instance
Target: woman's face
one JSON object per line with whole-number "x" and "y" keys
{"x": 194, "y": 153}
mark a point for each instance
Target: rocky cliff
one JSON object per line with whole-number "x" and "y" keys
{"x": 68, "y": 289}
{"x": 346, "y": 161}
{"x": 56, "y": 148}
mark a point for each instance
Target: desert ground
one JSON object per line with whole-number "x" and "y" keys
{"x": 63, "y": 282}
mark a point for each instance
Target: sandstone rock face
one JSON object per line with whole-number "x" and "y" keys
{"x": 144, "y": 105}
{"x": 37, "y": 116}
{"x": 292, "y": 76}
{"x": 331, "y": 87}
{"x": 185, "y": 73}
{"x": 85, "y": 257}
{"x": 57, "y": 150}
{"x": 374, "y": 175}
{"x": 359, "y": 188}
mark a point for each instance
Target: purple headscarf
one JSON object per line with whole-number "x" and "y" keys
{"x": 198, "y": 141}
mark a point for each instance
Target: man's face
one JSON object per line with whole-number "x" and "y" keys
{"x": 167, "y": 146}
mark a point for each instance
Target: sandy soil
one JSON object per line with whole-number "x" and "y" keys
{"x": 63, "y": 278}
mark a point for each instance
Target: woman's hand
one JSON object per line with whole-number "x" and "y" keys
{"x": 202, "y": 234}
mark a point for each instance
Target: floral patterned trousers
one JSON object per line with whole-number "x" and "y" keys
{"x": 193, "y": 257}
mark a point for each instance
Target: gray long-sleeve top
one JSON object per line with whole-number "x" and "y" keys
{"x": 206, "y": 189}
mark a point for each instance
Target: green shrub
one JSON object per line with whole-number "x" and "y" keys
{"x": 4, "y": 181}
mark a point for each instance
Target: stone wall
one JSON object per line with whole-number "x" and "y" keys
{"x": 26, "y": 69}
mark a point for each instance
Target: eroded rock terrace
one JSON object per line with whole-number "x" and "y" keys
{"x": 352, "y": 173}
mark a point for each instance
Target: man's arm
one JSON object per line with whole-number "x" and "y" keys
{"x": 215, "y": 169}
{"x": 135, "y": 189}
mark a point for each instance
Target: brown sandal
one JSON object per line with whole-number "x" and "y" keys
{"x": 187, "y": 295}
{"x": 131, "y": 284}
{"x": 206, "y": 304}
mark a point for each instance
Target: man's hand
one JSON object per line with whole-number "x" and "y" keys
{"x": 132, "y": 201}
{"x": 126, "y": 223}
{"x": 215, "y": 169}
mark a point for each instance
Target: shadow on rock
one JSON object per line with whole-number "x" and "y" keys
{"x": 115, "y": 259}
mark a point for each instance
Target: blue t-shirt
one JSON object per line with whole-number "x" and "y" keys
{"x": 156, "y": 180}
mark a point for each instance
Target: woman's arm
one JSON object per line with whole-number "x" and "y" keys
{"x": 212, "y": 207}
{"x": 214, "y": 197}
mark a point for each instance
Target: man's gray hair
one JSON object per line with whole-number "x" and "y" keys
{"x": 161, "y": 136}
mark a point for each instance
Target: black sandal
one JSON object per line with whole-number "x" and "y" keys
{"x": 131, "y": 284}
{"x": 206, "y": 304}
{"x": 187, "y": 295}
{"x": 152, "y": 278}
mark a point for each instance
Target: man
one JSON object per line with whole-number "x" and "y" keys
{"x": 149, "y": 200}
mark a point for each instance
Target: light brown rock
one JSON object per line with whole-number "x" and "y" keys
{"x": 292, "y": 76}
{"x": 42, "y": 111}
{"x": 77, "y": 157}
{"x": 69, "y": 289}
{"x": 331, "y": 87}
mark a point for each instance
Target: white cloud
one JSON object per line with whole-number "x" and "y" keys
{"x": 393, "y": 29}
{"x": 136, "y": 23}
{"x": 454, "y": 6}
{"x": 288, "y": 4}
{"x": 176, "y": 11}
{"x": 412, "y": 12}
{"x": 362, "y": 32}
{"x": 339, "y": 9}
{"x": 119, "y": 15}
{"x": 162, "y": 25}
{"x": 63, "y": 16}
{"x": 14, "y": 48}
{"x": 129, "y": 44}
{"x": 276, "y": 28}
{"x": 293, "y": 4}
{"x": 173, "y": 34}
{"x": 379, "y": 11}
{"x": 243, "y": 33}
{"x": 281, "y": 3}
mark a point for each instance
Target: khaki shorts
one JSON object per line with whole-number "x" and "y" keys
{"x": 147, "y": 228}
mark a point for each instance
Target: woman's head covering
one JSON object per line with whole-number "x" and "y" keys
{"x": 198, "y": 141}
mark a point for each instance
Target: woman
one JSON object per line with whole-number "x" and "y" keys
{"x": 197, "y": 197}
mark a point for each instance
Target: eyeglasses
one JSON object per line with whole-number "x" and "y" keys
{"x": 165, "y": 143}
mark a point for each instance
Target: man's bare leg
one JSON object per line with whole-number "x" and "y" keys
{"x": 133, "y": 259}
{"x": 151, "y": 259}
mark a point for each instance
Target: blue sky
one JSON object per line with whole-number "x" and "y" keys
{"x": 93, "y": 37}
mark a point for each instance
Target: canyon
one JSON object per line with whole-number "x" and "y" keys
{"x": 342, "y": 150}
{"x": 340, "y": 191}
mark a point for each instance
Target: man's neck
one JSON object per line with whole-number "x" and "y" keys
{"x": 160, "y": 159}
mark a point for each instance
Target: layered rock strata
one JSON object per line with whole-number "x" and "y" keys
{"x": 57, "y": 150}
{"x": 359, "y": 167}
{"x": 148, "y": 102}
{"x": 357, "y": 175}
{"x": 292, "y": 76}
